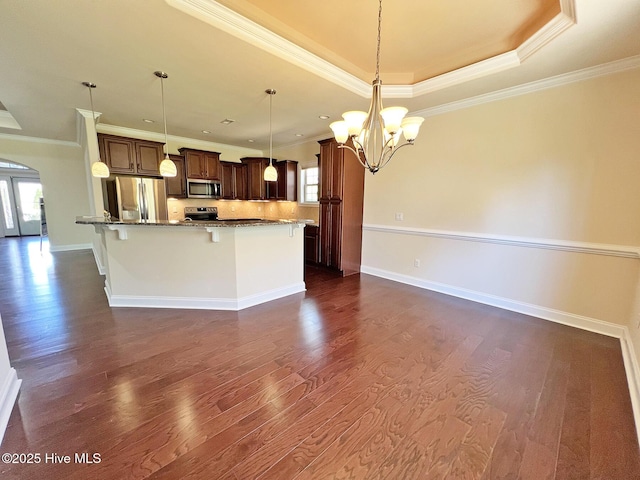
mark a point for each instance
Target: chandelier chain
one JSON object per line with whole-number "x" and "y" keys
{"x": 379, "y": 34}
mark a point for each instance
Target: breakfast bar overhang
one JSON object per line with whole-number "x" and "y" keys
{"x": 206, "y": 265}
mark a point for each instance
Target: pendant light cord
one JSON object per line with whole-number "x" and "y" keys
{"x": 164, "y": 118}
{"x": 270, "y": 129}
{"x": 93, "y": 113}
{"x": 379, "y": 34}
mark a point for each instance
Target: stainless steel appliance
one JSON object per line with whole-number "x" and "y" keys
{"x": 200, "y": 213}
{"x": 135, "y": 198}
{"x": 197, "y": 188}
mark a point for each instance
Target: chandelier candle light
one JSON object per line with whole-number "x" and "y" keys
{"x": 270, "y": 173}
{"x": 167, "y": 167}
{"x": 99, "y": 169}
{"x": 376, "y": 134}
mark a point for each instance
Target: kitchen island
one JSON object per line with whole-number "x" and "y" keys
{"x": 215, "y": 265}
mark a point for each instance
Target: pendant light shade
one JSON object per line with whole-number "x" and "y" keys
{"x": 167, "y": 167}
{"x": 99, "y": 169}
{"x": 270, "y": 173}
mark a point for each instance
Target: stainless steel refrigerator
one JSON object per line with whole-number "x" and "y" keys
{"x": 135, "y": 199}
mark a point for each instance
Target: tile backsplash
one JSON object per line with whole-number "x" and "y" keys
{"x": 245, "y": 209}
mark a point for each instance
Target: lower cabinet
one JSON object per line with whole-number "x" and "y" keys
{"x": 331, "y": 233}
{"x": 312, "y": 244}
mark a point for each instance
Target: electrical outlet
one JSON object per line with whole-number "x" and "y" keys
{"x": 399, "y": 217}
{"x": 233, "y": 208}
{"x": 259, "y": 208}
{"x": 416, "y": 263}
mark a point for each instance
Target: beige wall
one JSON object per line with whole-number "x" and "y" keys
{"x": 559, "y": 166}
{"x": 62, "y": 174}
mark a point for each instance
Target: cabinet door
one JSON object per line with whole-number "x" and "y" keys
{"x": 212, "y": 166}
{"x": 337, "y": 167}
{"x": 326, "y": 170}
{"x": 227, "y": 180}
{"x": 311, "y": 244}
{"x": 240, "y": 172}
{"x": 195, "y": 164}
{"x": 256, "y": 186}
{"x": 330, "y": 233}
{"x": 177, "y": 186}
{"x": 118, "y": 153}
{"x": 148, "y": 156}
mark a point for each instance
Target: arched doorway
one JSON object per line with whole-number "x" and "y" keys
{"x": 21, "y": 200}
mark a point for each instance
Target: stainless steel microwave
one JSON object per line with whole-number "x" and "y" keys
{"x": 197, "y": 188}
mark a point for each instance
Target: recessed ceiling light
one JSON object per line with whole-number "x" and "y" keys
{"x": 299, "y": 135}
{"x": 206, "y": 131}
{"x": 323, "y": 117}
{"x": 146, "y": 120}
{"x": 251, "y": 141}
{"x": 227, "y": 121}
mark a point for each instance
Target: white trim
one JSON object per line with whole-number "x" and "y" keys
{"x": 543, "y": 243}
{"x": 633, "y": 375}
{"x": 70, "y": 247}
{"x": 101, "y": 269}
{"x": 47, "y": 141}
{"x": 617, "y": 66}
{"x": 8, "y": 395}
{"x": 557, "y": 316}
{"x": 201, "y": 303}
{"x": 159, "y": 137}
{"x": 561, "y": 22}
{"x": 228, "y": 21}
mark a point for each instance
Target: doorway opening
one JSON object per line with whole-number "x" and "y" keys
{"x": 21, "y": 201}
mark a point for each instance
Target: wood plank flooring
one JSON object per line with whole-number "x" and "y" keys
{"x": 358, "y": 378}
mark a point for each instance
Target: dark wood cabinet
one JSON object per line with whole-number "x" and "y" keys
{"x": 312, "y": 244}
{"x": 286, "y": 188}
{"x": 341, "y": 208}
{"x": 130, "y": 156}
{"x": 257, "y": 188}
{"x": 177, "y": 186}
{"x": 201, "y": 164}
{"x": 234, "y": 180}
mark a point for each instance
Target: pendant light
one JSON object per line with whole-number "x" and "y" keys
{"x": 376, "y": 134}
{"x": 167, "y": 167}
{"x": 99, "y": 169}
{"x": 270, "y": 173}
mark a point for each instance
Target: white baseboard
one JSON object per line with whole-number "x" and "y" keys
{"x": 69, "y": 248}
{"x": 8, "y": 395}
{"x": 633, "y": 375}
{"x": 201, "y": 303}
{"x": 632, "y": 369}
{"x": 101, "y": 269}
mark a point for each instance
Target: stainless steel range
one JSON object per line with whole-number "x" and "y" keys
{"x": 200, "y": 213}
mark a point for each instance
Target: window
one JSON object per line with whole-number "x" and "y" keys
{"x": 310, "y": 185}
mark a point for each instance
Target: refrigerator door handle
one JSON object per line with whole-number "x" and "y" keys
{"x": 144, "y": 200}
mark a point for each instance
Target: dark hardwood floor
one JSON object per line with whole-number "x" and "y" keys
{"x": 358, "y": 378}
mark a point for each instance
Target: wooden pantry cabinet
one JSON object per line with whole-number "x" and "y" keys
{"x": 341, "y": 208}
{"x": 131, "y": 156}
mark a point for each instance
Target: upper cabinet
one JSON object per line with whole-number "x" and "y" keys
{"x": 256, "y": 186}
{"x": 201, "y": 164}
{"x": 130, "y": 155}
{"x": 177, "y": 186}
{"x": 234, "y": 180}
{"x": 286, "y": 188}
{"x": 331, "y": 170}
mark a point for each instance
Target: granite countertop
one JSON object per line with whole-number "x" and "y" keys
{"x": 250, "y": 222}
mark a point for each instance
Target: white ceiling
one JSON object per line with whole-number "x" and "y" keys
{"x": 48, "y": 48}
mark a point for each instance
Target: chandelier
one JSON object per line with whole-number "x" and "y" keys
{"x": 375, "y": 135}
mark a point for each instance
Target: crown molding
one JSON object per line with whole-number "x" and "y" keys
{"x": 47, "y": 141}
{"x": 610, "y": 68}
{"x": 85, "y": 114}
{"x": 159, "y": 137}
{"x": 561, "y": 22}
{"x": 8, "y": 121}
{"x": 225, "y": 19}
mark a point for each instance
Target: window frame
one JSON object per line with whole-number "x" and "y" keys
{"x": 303, "y": 186}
